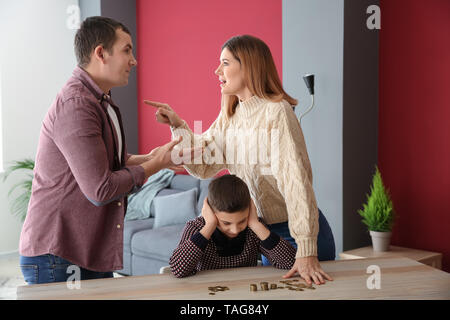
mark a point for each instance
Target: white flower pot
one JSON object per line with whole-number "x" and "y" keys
{"x": 380, "y": 240}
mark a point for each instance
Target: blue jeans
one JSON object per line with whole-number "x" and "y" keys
{"x": 49, "y": 268}
{"x": 326, "y": 249}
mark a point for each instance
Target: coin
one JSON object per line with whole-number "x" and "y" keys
{"x": 291, "y": 288}
{"x": 253, "y": 287}
{"x": 273, "y": 286}
{"x": 218, "y": 288}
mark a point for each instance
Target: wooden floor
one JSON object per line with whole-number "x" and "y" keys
{"x": 400, "y": 278}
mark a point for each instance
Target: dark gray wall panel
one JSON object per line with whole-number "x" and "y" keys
{"x": 360, "y": 126}
{"x": 126, "y": 97}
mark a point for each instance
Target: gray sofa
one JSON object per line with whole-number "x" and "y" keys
{"x": 147, "y": 249}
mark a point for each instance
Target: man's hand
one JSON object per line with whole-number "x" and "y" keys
{"x": 309, "y": 269}
{"x": 151, "y": 155}
{"x": 165, "y": 114}
{"x": 163, "y": 157}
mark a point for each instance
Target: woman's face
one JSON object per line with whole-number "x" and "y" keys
{"x": 231, "y": 75}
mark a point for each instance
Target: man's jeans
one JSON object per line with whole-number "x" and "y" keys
{"x": 326, "y": 249}
{"x": 49, "y": 268}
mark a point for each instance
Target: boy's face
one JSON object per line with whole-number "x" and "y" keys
{"x": 231, "y": 224}
{"x": 120, "y": 60}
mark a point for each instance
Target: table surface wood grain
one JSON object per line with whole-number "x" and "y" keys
{"x": 401, "y": 278}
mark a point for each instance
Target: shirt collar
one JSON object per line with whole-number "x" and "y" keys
{"x": 81, "y": 74}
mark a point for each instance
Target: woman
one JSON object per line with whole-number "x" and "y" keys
{"x": 253, "y": 101}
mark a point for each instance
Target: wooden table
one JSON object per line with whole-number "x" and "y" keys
{"x": 433, "y": 259}
{"x": 401, "y": 278}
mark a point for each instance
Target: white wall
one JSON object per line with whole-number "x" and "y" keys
{"x": 36, "y": 59}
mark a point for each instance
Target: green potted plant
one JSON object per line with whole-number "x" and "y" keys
{"x": 378, "y": 214}
{"x": 19, "y": 205}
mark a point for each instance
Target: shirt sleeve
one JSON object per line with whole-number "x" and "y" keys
{"x": 291, "y": 167}
{"x": 77, "y": 131}
{"x": 280, "y": 253}
{"x": 212, "y": 140}
{"x": 187, "y": 254}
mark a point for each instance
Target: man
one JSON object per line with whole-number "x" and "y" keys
{"x": 83, "y": 172}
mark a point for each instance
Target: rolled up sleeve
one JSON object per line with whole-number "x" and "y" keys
{"x": 78, "y": 135}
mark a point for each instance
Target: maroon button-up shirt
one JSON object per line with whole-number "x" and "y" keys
{"x": 78, "y": 199}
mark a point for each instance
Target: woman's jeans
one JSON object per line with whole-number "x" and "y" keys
{"x": 49, "y": 268}
{"x": 326, "y": 249}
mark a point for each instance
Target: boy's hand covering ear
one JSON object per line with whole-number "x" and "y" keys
{"x": 253, "y": 215}
{"x": 208, "y": 214}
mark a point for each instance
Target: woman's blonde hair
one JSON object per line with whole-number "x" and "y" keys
{"x": 260, "y": 73}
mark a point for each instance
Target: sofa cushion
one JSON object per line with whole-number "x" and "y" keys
{"x": 176, "y": 208}
{"x": 183, "y": 182}
{"x": 203, "y": 194}
{"x": 133, "y": 226}
{"x": 139, "y": 203}
{"x": 163, "y": 192}
{"x": 157, "y": 243}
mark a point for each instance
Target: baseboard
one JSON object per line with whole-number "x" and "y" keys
{"x": 9, "y": 254}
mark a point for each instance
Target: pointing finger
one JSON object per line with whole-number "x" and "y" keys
{"x": 157, "y": 104}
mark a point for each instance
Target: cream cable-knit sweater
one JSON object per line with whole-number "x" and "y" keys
{"x": 281, "y": 187}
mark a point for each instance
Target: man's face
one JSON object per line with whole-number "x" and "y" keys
{"x": 120, "y": 60}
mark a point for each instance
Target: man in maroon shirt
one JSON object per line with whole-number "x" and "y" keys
{"x": 83, "y": 172}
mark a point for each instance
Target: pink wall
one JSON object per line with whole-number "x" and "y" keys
{"x": 179, "y": 46}
{"x": 414, "y": 120}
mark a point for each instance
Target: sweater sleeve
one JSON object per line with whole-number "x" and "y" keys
{"x": 291, "y": 168}
{"x": 212, "y": 140}
{"x": 185, "y": 257}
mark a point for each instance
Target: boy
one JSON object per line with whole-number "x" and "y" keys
{"x": 228, "y": 234}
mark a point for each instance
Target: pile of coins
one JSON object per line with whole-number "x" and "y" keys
{"x": 296, "y": 286}
{"x": 217, "y": 289}
{"x": 292, "y": 284}
{"x": 289, "y": 284}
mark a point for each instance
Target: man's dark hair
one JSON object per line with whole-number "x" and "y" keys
{"x": 228, "y": 193}
{"x": 95, "y": 31}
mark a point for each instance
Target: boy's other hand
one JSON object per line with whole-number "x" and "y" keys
{"x": 253, "y": 215}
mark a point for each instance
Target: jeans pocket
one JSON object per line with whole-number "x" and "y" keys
{"x": 30, "y": 273}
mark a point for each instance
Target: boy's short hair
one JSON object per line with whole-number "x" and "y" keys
{"x": 95, "y": 31}
{"x": 228, "y": 193}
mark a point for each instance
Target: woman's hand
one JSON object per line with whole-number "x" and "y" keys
{"x": 165, "y": 114}
{"x": 210, "y": 220}
{"x": 309, "y": 269}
